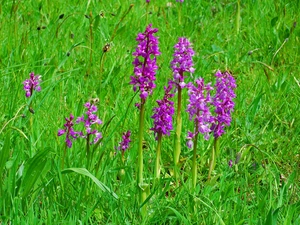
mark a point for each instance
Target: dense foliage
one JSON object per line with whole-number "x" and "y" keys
{"x": 80, "y": 56}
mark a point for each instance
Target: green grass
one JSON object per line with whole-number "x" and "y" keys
{"x": 261, "y": 50}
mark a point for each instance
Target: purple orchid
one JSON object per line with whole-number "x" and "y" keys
{"x": 33, "y": 83}
{"x": 145, "y": 62}
{"x": 163, "y": 114}
{"x": 223, "y": 102}
{"x": 230, "y": 163}
{"x": 124, "y": 144}
{"x": 182, "y": 61}
{"x": 89, "y": 121}
{"x": 198, "y": 109}
{"x": 69, "y": 130}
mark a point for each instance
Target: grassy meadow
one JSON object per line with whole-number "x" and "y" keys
{"x": 83, "y": 51}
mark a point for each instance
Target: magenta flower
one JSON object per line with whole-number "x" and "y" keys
{"x": 223, "y": 102}
{"x": 145, "y": 62}
{"x": 179, "y": 0}
{"x": 90, "y": 120}
{"x": 163, "y": 114}
{"x": 69, "y": 130}
{"x": 190, "y": 138}
{"x": 198, "y": 109}
{"x": 33, "y": 83}
{"x": 182, "y": 61}
{"x": 230, "y": 163}
{"x": 124, "y": 144}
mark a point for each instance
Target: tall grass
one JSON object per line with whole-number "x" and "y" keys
{"x": 87, "y": 54}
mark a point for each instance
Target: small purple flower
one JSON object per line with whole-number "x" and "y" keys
{"x": 71, "y": 134}
{"x": 163, "y": 114}
{"x": 89, "y": 121}
{"x": 145, "y": 62}
{"x": 179, "y": 0}
{"x": 190, "y": 137}
{"x": 198, "y": 108}
{"x": 147, "y": 1}
{"x": 230, "y": 163}
{"x": 33, "y": 83}
{"x": 223, "y": 102}
{"x": 182, "y": 61}
{"x": 124, "y": 144}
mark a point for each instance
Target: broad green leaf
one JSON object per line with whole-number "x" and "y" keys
{"x": 181, "y": 218}
{"x": 33, "y": 170}
{"x": 85, "y": 172}
{"x": 4, "y": 153}
{"x": 253, "y": 109}
{"x": 96, "y": 21}
{"x": 272, "y": 217}
{"x": 274, "y": 21}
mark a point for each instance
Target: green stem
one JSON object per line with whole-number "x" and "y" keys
{"x": 212, "y": 162}
{"x": 179, "y": 14}
{"x": 194, "y": 164}
{"x": 238, "y": 14}
{"x": 31, "y": 126}
{"x": 158, "y": 153}
{"x": 147, "y": 12}
{"x": 118, "y": 24}
{"x": 177, "y": 133}
{"x": 88, "y": 150}
{"x": 140, "y": 150}
{"x": 91, "y": 46}
{"x": 63, "y": 158}
{"x": 122, "y": 171}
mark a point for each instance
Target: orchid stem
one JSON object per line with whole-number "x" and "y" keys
{"x": 158, "y": 154}
{"x": 212, "y": 162}
{"x": 177, "y": 134}
{"x": 142, "y": 194}
{"x": 194, "y": 163}
{"x": 88, "y": 150}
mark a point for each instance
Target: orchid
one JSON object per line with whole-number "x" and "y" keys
{"x": 33, "y": 83}
{"x": 145, "y": 62}
{"x": 69, "y": 130}
{"x": 223, "y": 102}
{"x": 163, "y": 114}
{"x": 90, "y": 120}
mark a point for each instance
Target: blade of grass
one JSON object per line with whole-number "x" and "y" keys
{"x": 85, "y": 172}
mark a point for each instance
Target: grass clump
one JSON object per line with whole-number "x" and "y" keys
{"x": 83, "y": 53}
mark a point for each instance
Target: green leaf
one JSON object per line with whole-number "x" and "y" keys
{"x": 4, "y": 153}
{"x": 274, "y": 21}
{"x": 181, "y": 218}
{"x": 96, "y": 21}
{"x": 33, "y": 170}
{"x": 85, "y": 172}
{"x": 272, "y": 217}
{"x": 253, "y": 109}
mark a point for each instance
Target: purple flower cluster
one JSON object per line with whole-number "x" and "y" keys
{"x": 69, "y": 130}
{"x": 89, "y": 121}
{"x": 198, "y": 109}
{"x": 182, "y": 61}
{"x": 145, "y": 62}
{"x": 33, "y": 83}
{"x": 163, "y": 114}
{"x": 223, "y": 102}
{"x": 124, "y": 144}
